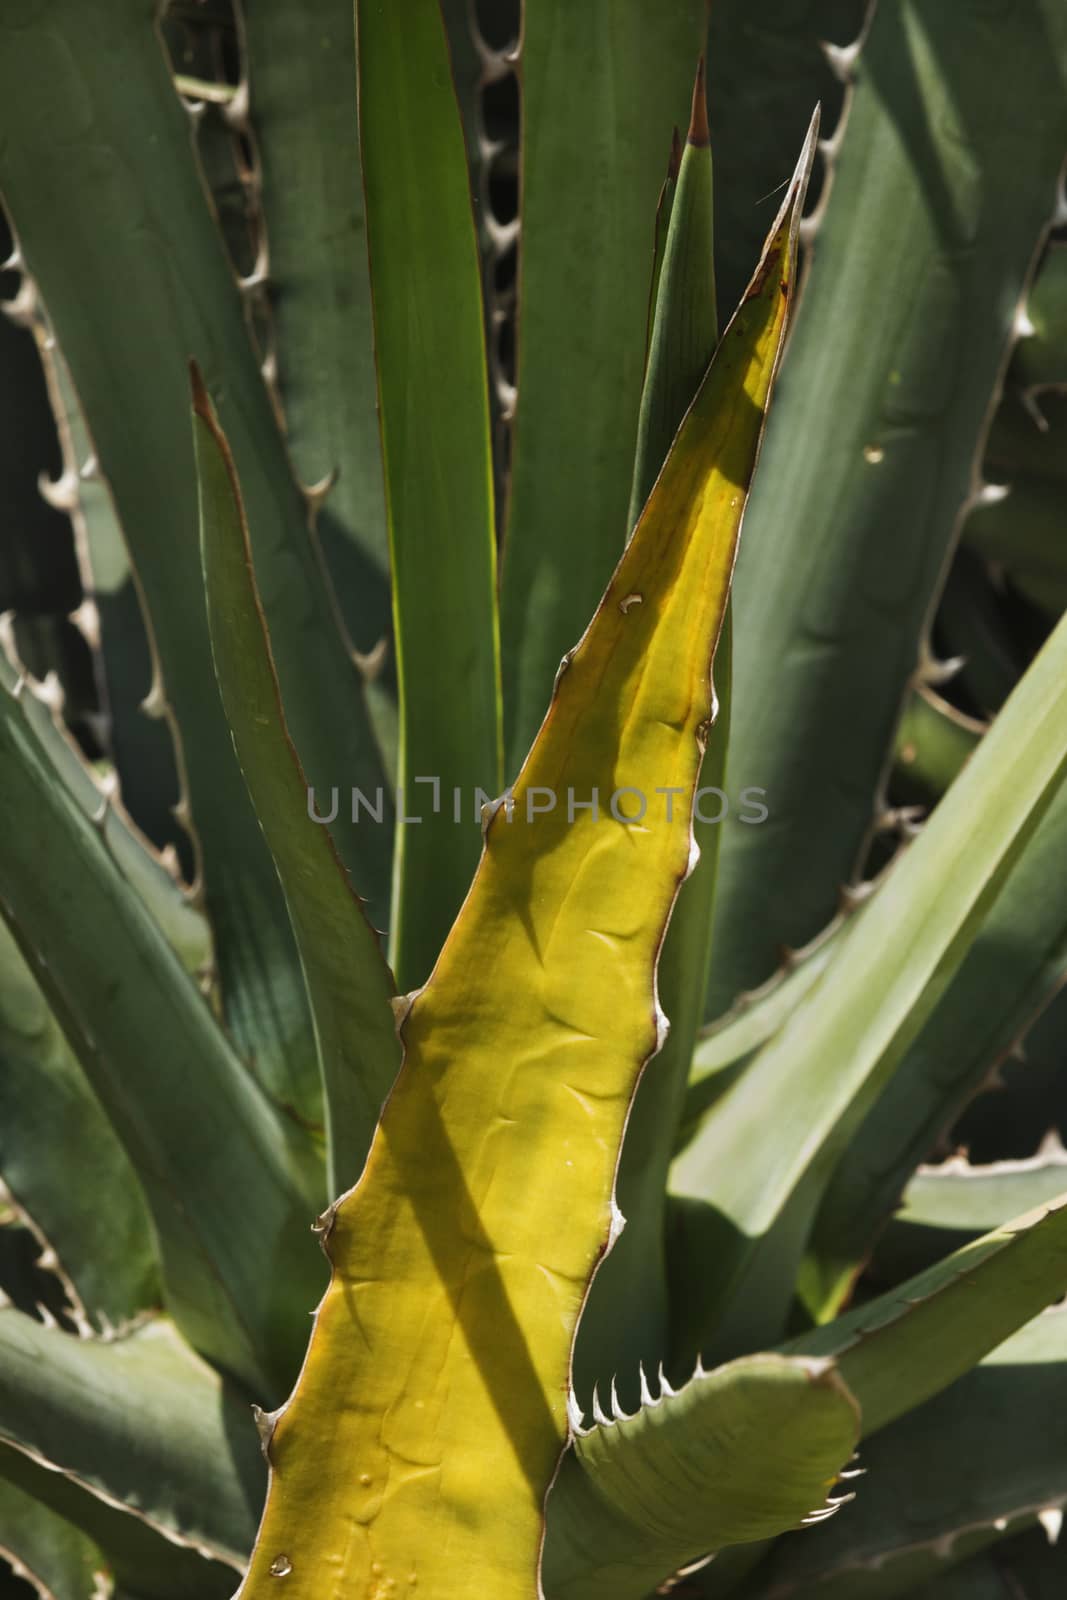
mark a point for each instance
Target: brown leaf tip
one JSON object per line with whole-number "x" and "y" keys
{"x": 699, "y": 132}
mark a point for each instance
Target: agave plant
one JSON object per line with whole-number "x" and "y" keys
{"x": 641, "y": 1259}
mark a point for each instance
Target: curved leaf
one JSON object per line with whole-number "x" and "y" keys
{"x": 1014, "y": 970}
{"x": 138, "y": 1421}
{"x": 980, "y": 1460}
{"x": 222, "y": 1171}
{"x": 96, "y": 1222}
{"x": 349, "y": 985}
{"x": 737, "y": 1455}
{"x": 302, "y": 110}
{"x": 945, "y": 1207}
{"x": 52, "y": 1555}
{"x": 825, "y": 1069}
{"x": 896, "y": 1351}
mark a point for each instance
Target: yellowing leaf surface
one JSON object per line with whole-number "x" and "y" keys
{"x": 415, "y": 1454}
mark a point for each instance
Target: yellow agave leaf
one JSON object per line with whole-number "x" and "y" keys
{"x": 415, "y": 1454}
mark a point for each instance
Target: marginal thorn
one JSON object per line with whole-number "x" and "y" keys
{"x": 154, "y": 704}
{"x": 108, "y": 786}
{"x": 664, "y": 1386}
{"x": 266, "y": 1422}
{"x": 21, "y": 309}
{"x": 617, "y": 1413}
{"x": 991, "y": 494}
{"x": 254, "y": 280}
{"x": 575, "y": 1418}
{"x": 168, "y": 860}
{"x": 402, "y": 1004}
{"x": 935, "y": 672}
{"x": 618, "y": 1223}
{"x": 1051, "y": 1519}
{"x": 49, "y": 691}
{"x": 86, "y": 618}
{"x": 502, "y": 235}
{"x": 370, "y": 664}
{"x": 315, "y": 493}
{"x": 60, "y": 493}
{"x": 598, "y": 1411}
{"x": 646, "y": 1392}
{"x": 841, "y": 59}
{"x": 323, "y": 1223}
{"x": 235, "y": 110}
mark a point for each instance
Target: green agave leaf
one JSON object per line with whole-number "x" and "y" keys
{"x": 452, "y": 1310}
{"x": 349, "y": 985}
{"x": 726, "y": 1046}
{"x": 625, "y": 1320}
{"x": 949, "y": 166}
{"x": 602, "y": 83}
{"x": 827, "y": 1066}
{"x": 664, "y": 206}
{"x": 685, "y": 325}
{"x": 933, "y": 741}
{"x": 139, "y": 1421}
{"x": 980, "y": 1460}
{"x": 646, "y": 1488}
{"x": 97, "y": 1222}
{"x": 896, "y": 1351}
{"x": 140, "y": 745}
{"x": 145, "y": 1564}
{"x": 945, "y": 1207}
{"x": 149, "y": 284}
{"x": 434, "y": 409}
{"x": 236, "y": 1258}
{"x": 170, "y": 906}
{"x": 642, "y": 1496}
{"x": 301, "y": 82}
{"x": 1014, "y": 970}
{"x": 52, "y": 1555}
